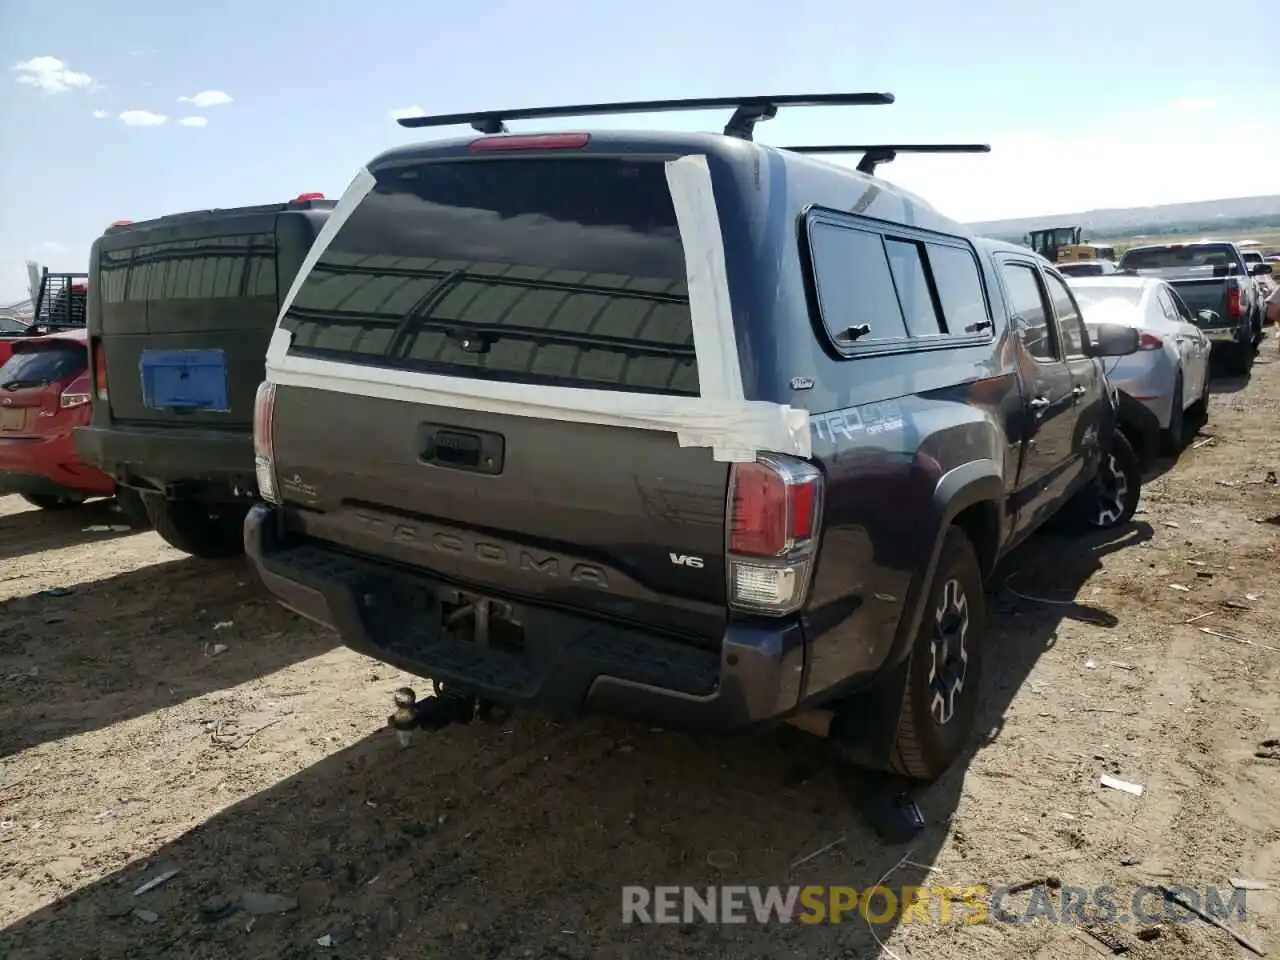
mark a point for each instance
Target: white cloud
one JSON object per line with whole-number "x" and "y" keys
{"x": 194, "y": 122}
{"x": 207, "y": 98}
{"x": 142, "y": 118}
{"x": 1130, "y": 160}
{"x": 1194, "y": 103}
{"x": 50, "y": 75}
{"x": 407, "y": 112}
{"x": 99, "y": 114}
{"x": 51, "y": 247}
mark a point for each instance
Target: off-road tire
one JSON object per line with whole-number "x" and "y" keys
{"x": 208, "y": 531}
{"x": 54, "y": 501}
{"x": 1111, "y": 498}
{"x": 939, "y": 707}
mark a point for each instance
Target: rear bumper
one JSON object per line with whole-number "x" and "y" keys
{"x": 1239, "y": 335}
{"x": 569, "y": 664}
{"x": 180, "y": 462}
{"x": 36, "y": 465}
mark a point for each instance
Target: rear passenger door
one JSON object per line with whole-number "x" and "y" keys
{"x": 1049, "y": 403}
{"x": 1088, "y": 388}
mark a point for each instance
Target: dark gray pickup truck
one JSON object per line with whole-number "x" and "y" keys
{"x": 1217, "y": 285}
{"x": 674, "y": 425}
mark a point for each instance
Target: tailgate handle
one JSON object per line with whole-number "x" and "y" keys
{"x": 478, "y": 451}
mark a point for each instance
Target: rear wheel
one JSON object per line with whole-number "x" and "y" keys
{"x": 129, "y": 503}
{"x": 940, "y": 702}
{"x": 1111, "y": 498}
{"x": 1239, "y": 359}
{"x": 211, "y": 531}
{"x": 54, "y": 501}
{"x": 1200, "y": 409}
{"x": 1173, "y": 435}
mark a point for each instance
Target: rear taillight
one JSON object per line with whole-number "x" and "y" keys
{"x": 1234, "y": 307}
{"x": 76, "y": 393}
{"x": 774, "y": 508}
{"x": 1149, "y": 341}
{"x": 264, "y": 415}
{"x": 99, "y": 370}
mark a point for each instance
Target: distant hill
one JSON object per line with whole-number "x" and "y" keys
{"x": 1241, "y": 213}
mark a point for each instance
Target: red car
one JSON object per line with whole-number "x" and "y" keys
{"x": 44, "y": 396}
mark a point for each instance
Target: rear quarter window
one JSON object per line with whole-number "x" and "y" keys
{"x": 565, "y": 272}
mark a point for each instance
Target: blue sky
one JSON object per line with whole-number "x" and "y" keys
{"x": 1088, "y": 105}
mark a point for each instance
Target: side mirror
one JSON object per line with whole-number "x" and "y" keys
{"x": 1209, "y": 316}
{"x": 1260, "y": 270}
{"x": 1113, "y": 340}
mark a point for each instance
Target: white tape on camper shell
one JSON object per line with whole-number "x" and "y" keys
{"x": 357, "y": 190}
{"x": 734, "y": 428}
{"x": 714, "y": 342}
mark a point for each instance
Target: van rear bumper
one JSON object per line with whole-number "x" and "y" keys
{"x": 569, "y": 664}
{"x": 180, "y": 462}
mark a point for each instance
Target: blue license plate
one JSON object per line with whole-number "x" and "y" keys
{"x": 185, "y": 380}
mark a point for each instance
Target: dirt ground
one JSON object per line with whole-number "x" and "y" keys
{"x": 165, "y": 714}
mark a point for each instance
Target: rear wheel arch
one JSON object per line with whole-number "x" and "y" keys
{"x": 970, "y": 497}
{"x": 980, "y": 522}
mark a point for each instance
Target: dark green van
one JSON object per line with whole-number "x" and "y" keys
{"x": 180, "y": 311}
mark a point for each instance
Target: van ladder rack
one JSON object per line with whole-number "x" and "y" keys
{"x": 747, "y": 111}
{"x": 875, "y": 154}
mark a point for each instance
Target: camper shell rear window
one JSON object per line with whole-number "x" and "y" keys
{"x": 563, "y": 272}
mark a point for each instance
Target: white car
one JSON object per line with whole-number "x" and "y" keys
{"x": 1169, "y": 375}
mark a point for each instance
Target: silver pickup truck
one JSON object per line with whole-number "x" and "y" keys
{"x": 1217, "y": 285}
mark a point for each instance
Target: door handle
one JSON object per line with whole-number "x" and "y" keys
{"x": 1078, "y": 390}
{"x": 1039, "y": 403}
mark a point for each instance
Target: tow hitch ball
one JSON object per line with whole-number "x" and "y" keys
{"x": 438, "y": 711}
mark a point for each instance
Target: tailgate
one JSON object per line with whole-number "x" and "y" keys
{"x": 590, "y": 517}
{"x": 1204, "y": 295}
{"x": 563, "y": 272}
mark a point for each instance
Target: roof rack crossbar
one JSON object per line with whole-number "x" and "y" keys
{"x": 875, "y": 154}
{"x": 747, "y": 111}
